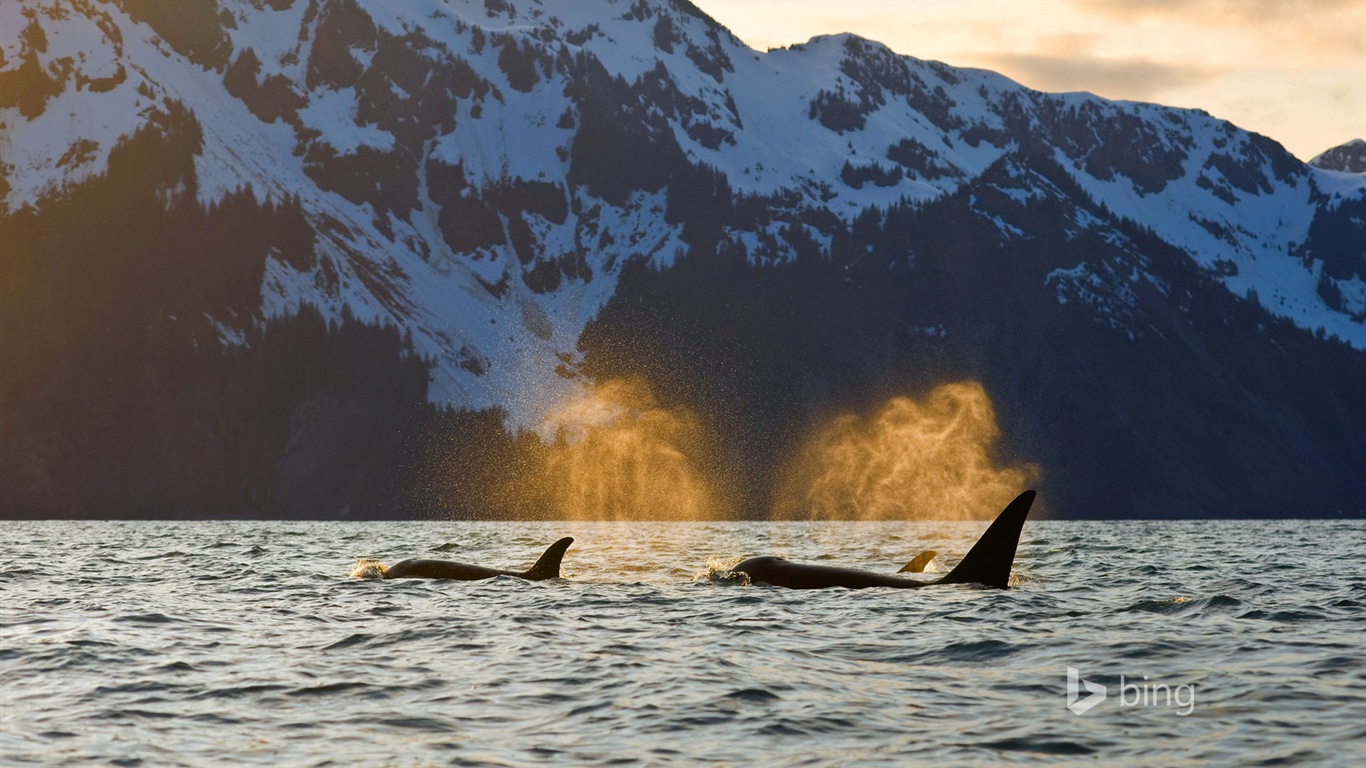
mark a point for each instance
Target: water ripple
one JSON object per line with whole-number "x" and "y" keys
{"x": 245, "y": 644}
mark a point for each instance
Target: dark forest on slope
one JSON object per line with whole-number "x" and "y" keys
{"x": 119, "y": 397}
{"x": 139, "y": 377}
{"x": 1169, "y": 421}
{"x": 121, "y": 400}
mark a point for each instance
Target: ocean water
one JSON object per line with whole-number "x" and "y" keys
{"x": 247, "y": 643}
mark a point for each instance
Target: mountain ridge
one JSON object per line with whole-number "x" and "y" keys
{"x": 1348, "y": 157}
{"x": 479, "y": 174}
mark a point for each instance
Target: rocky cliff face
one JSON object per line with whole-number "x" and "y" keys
{"x": 1169, "y": 312}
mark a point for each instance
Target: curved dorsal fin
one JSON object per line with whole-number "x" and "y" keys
{"x": 918, "y": 563}
{"x": 548, "y": 567}
{"x": 989, "y": 560}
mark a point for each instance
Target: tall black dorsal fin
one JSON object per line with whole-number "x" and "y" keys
{"x": 990, "y": 559}
{"x": 548, "y": 567}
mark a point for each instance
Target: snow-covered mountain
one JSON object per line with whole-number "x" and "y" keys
{"x": 481, "y": 173}
{"x": 385, "y": 117}
{"x": 1348, "y": 158}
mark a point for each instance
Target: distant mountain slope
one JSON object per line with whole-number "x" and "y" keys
{"x": 483, "y": 174}
{"x": 1348, "y": 158}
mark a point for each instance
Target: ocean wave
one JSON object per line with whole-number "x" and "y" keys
{"x": 257, "y": 651}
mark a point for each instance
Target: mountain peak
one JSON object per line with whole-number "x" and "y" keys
{"x": 530, "y": 198}
{"x": 1349, "y": 158}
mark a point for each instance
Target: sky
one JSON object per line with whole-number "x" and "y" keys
{"x": 1294, "y": 70}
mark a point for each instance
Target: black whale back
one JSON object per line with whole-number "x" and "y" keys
{"x": 548, "y": 567}
{"x": 988, "y": 562}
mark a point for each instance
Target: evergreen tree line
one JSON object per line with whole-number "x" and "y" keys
{"x": 120, "y": 395}
{"x": 1214, "y": 407}
{"x": 126, "y": 392}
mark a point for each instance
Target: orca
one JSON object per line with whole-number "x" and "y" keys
{"x": 917, "y": 565}
{"x": 988, "y": 562}
{"x": 548, "y": 567}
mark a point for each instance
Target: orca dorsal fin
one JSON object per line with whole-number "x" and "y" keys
{"x": 990, "y": 559}
{"x": 548, "y": 567}
{"x": 918, "y": 563}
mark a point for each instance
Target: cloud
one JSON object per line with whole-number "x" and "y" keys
{"x": 1294, "y": 32}
{"x": 1132, "y": 78}
{"x": 1268, "y": 11}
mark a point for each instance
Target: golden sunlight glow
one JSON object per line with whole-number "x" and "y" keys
{"x": 613, "y": 452}
{"x": 618, "y": 455}
{"x": 912, "y": 460}
{"x": 367, "y": 568}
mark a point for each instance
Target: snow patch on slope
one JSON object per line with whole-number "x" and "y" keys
{"x": 514, "y": 347}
